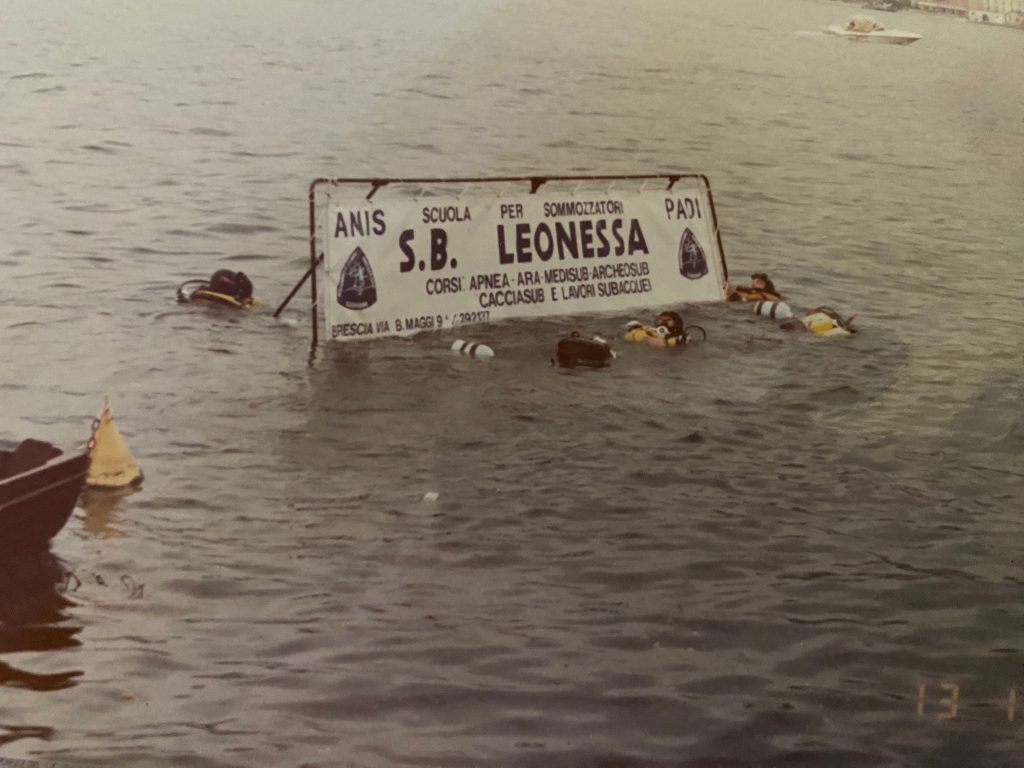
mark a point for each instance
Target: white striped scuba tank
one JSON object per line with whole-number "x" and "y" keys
{"x": 471, "y": 349}
{"x": 776, "y": 310}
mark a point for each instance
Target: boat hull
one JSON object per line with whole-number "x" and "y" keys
{"x": 884, "y": 37}
{"x": 35, "y": 504}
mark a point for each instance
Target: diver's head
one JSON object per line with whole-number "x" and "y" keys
{"x": 244, "y": 287}
{"x": 762, "y": 282}
{"x": 234, "y": 284}
{"x": 672, "y": 322}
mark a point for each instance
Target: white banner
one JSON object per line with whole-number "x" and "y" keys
{"x": 401, "y": 265}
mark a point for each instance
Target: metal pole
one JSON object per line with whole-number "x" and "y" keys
{"x": 714, "y": 223}
{"x": 313, "y": 260}
{"x": 298, "y": 285}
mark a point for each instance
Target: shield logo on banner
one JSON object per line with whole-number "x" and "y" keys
{"x": 692, "y": 262}
{"x": 356, "y": 287}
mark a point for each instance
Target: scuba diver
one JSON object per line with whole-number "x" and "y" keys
{"x": 822, "y": 321}
{"x": 668, "y": 331}
{"x": 761, "y": 287}
{"x": 224, "y": 288}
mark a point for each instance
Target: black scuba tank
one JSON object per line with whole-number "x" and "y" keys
{"x": 576, "y": 351}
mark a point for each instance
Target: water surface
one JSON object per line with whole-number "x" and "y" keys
{"x": 770, "y": 550}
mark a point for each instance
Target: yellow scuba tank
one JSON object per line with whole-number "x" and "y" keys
{"x": 825, "y": 321}
{"x": 646, "y": 334}
{"x": 206, "y": 296}
{"x": 638, "y": 332}
{"x": 660, "y": 336}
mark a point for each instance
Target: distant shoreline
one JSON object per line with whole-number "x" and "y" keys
{"x": 1010, "y": 19}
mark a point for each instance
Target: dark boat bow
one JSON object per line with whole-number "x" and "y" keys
{"x": 39, "y": 486}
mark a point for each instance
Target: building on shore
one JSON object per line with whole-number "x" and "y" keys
{"x": 999, "y": 6}
{"x": 949, "y": 7}
{"x": 1008, "y": 12}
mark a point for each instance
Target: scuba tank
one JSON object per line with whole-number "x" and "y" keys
{"x": 776, "y": 310}
{"x": 472, "y": 349}
{"x": 663, "y": 335}
{"x": 575, "y": 351}
{"x": 825, "y": 321}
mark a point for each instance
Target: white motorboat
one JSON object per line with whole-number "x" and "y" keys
{"x": 865, "y": 29}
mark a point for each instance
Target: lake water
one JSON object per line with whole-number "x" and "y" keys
{"x": 772, "y": 550}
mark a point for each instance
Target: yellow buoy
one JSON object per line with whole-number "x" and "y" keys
{"x": 112, "y": 465}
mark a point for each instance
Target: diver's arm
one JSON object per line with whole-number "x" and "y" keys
{"x": 743, "y": 293}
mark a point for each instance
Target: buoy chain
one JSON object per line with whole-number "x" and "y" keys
{"x": 134, "y": 590}
{"x": 68, "y": 576}
{"x": 92, "y": 438}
